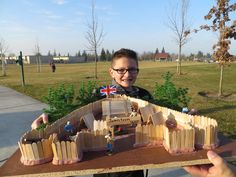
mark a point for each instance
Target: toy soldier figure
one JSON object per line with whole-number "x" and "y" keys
{"x": 110, "y": 142}
{"x": 68, "y": 127}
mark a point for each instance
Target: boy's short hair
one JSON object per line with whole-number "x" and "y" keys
{"x": 125, "y": 53}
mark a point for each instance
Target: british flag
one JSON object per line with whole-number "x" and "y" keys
{"x": 108, "y": 90}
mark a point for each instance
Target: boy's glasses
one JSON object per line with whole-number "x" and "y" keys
{"x": 123, "y": 71}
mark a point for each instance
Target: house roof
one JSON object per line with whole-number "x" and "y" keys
{"x": 162, "y": 55}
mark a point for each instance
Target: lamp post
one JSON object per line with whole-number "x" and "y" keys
{"x": 21, "y": 63}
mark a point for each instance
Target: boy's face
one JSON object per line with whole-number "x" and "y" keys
{"x": 119, "y": 72}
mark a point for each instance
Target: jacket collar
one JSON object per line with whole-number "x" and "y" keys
{"x": 134, "y": 92}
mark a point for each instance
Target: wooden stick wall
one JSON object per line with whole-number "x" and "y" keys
{"x": 196, "y": 130}
{"x": 206, "y": 132}
{"x": 148, "y": 134}
{"x": 99, "y": 125}
{"x": 34, "y": 153}
{"x": 65, "y": 152}
{"x": 174, "y": 141}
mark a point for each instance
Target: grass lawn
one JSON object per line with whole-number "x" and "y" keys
{"x": 196, "y": 76}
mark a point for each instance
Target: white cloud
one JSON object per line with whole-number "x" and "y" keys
{"x": 59, "y": 2}
{"x": 49, "y": 14}
{"x": 57, "y": 28}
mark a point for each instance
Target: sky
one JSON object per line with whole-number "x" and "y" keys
{"x": 61, "y": 25}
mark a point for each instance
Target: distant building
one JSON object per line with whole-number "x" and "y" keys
{"x": 32, "y": 59}
{"x": 68, "y": 59}
{"x": 61, "y": 59}
{"x": 56, "y": 59}
{"x": 75, "y": 59}
{"x": 204, "y": 59}
{"x": 162, "y": 57}
{"x": 10, "y": 59}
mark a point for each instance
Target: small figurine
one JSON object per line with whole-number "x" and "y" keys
{"x": 68, "y": 127}
{"x": 193, "y": 111}
{"x": 185, "y": 110}
{"x": 171, "y": 123}
{"x": 109, "y": 143}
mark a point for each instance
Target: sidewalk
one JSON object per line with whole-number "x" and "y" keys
{"x": 17, "y": 112}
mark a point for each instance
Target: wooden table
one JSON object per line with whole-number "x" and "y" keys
{"x": 125, "y": 160}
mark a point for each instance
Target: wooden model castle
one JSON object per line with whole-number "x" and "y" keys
{"x": 149, "y": 124}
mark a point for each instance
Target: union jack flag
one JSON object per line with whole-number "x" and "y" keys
{"x": 108, "y": 90}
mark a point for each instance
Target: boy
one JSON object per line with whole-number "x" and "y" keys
{"x": 124, "y": 71}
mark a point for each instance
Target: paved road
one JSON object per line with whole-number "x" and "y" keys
{"x": 17, "y": 112}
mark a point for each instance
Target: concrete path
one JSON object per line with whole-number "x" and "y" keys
{"x": 17, "y": 112}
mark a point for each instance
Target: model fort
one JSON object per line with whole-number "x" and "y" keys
{"x": 101, "y": 125}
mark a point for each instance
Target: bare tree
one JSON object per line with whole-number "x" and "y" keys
{"x": 178, "y": 23}
{"x": 38, "y": 57}
{"x": 219, "y": 14}
{"x": 94, "y": 36}
{"x": 3, "y": 50}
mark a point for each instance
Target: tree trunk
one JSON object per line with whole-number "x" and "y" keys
{"x": 40, "y": 63}
{"x": 177, "y": 71}
{"x": 37, "y": 63}
{"x": 221, "y": 81}
{"x": 96, "y": 59}
{"x": 3, "y": 66}
{"x": 179, "y": 61}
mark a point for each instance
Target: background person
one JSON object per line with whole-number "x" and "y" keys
{"x": 53, "y": 66}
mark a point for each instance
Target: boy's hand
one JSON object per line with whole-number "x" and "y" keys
{"x": 220, "y": 168}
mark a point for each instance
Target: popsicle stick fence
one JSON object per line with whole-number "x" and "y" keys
{"x": 206, "y": 132}
{"x": 36, "y": 145}
{"x": 99, "y": 125}
{"x": 65, "y": 152}
{"x": 148, "y": 134}
{"x": 191, "y": 132}
{"x": 179, "y": 141}
{"x": 196, "y": 131}
{"x": 68, "y": 152}
{"x": 36, "y": 152}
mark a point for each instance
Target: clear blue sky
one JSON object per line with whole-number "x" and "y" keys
{"x": 61, "y": 25}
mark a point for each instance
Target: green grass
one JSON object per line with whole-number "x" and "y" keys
{"x": 196, "y": 76}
